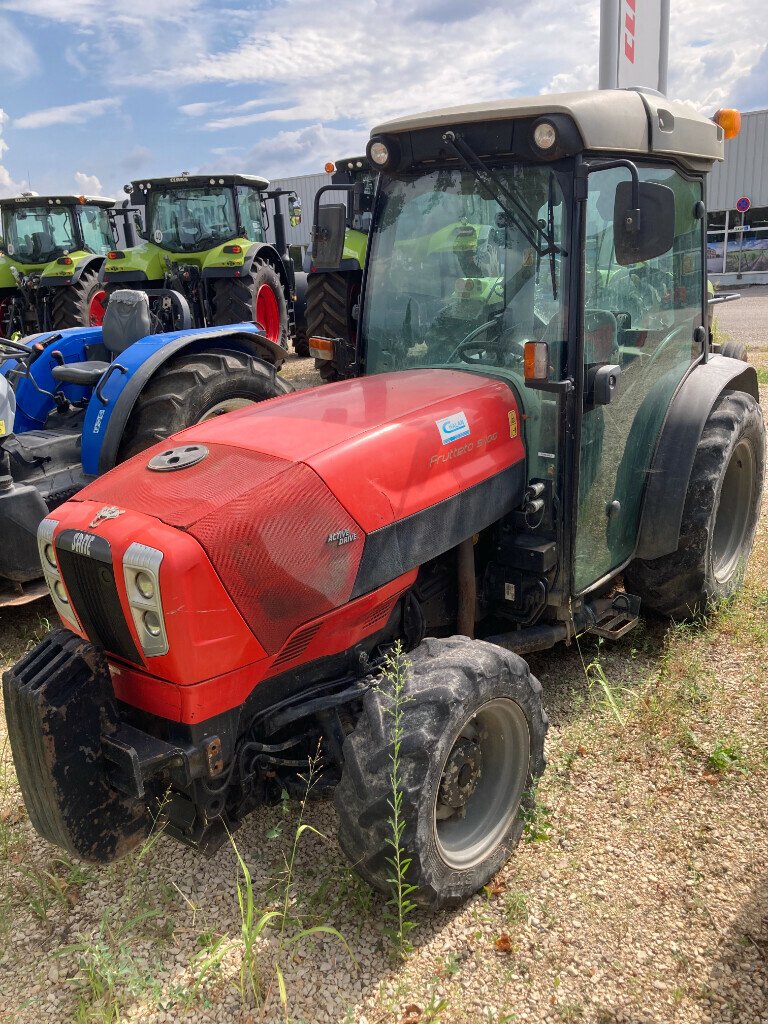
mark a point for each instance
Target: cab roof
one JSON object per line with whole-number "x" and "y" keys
{"x": 201, "y": 181}
{"x": 608, "y": 120}
{"x": 17, "y": 201}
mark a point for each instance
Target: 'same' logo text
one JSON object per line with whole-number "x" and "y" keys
{"x": 82, "y": 542}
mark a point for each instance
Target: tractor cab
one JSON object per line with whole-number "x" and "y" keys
{"x": 206, "y": 237}
{"x": 49, "y": 243}
{"x": 556, "y": 244}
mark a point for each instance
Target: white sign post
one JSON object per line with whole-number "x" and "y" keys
{"x": 634, "y": 44}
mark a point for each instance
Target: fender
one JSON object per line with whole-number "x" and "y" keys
{"x": 262, "y": 250}
{"x": 57, "y": 282}
{"x": 670, "y": 471}
{"x": 106, "y": 417}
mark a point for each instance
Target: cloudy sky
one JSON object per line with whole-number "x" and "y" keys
{"x": 95, "y": 93}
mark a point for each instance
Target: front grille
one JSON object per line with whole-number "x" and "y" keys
{"x": 90, "y": 582}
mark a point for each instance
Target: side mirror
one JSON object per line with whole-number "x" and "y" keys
{"x": 139, "y": 227}
{"x": 644, "y": 232}
{"x": 328, "y": 236}
{"x": 294, "y": 211}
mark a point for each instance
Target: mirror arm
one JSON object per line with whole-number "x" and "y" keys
{"x": 633, "y": 218}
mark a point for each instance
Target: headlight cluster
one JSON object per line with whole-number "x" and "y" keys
{"x": 51, "y": 572}
{"x": 141, "y": 568}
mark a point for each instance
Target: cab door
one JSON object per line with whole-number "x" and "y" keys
{"x": 640, "y": 318}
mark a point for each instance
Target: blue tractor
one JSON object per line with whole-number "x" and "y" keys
{"x": 74, "y": 403}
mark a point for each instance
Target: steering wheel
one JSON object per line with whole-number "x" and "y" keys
{"x": 470, "y": 349}
{"x": 16, "y": 347}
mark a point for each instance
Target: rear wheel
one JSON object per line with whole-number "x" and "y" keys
{"x": 195, "y": 387}
{"x": 332, "y": 303}
{"x": 80, "y": 304}
{"x": 720, "y": 516}
{"x": 256, "y": 296}
{"x": 472, "y": 744}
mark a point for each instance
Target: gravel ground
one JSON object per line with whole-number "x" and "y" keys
{"x": 745, "y": 318}
{"x": 645, "y": 898}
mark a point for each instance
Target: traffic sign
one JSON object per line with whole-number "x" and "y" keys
{"x": 743, "y": 204}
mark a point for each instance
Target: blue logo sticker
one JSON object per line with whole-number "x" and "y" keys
{"x": 453, "y": 427}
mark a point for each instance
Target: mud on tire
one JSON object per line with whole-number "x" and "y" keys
{"x": 186, "y": 389}
{"x": 234, "y": 299}
{"x": 720, "y": 516}
{"x": 331, "y": 300}
{"x": 451, "y": 683}
{"x": 71, "y": 304}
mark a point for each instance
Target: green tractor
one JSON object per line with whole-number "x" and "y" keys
{"x": 333, "y": 294}
{"x": 205, "y": 237}
{"x": 53, "y": 248}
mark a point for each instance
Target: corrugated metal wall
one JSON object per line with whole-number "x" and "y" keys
{"x": 305, "y": 186}
{"x": 744, "y": 172}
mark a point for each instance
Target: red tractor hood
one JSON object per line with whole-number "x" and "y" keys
{"x": 304, "y": 511}
{"x": 387, "y": 446}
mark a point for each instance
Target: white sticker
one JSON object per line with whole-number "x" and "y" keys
{"x": 158, "y": 235}
{"x": 453, "y": 427}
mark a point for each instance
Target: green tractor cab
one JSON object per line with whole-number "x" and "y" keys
{"x": 53, "y": 248}
{"x": 333, "y": 293}
{"x": 205, "y": 236}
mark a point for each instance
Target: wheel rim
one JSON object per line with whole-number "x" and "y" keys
{"x": 228, "y": 405}
{"x": 734, "y": 512}
{"x": 268, "y": 312}
{"x": 485, "y": 773}
{"x": 96, "y": 308}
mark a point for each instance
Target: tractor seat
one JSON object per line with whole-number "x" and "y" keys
{"x": 126, "y": 320}
{"x": 87, "y": 374}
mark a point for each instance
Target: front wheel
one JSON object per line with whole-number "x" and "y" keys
{"x": 472, "y": 744}
{"x": 195, "y": 387}
{"x": 720, "y": 516}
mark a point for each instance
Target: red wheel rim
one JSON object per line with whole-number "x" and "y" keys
{"x": 96, "y": 309}
{"x": 268, "y": 312}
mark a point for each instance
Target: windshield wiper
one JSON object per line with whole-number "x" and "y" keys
{"x": 527, "y": 225}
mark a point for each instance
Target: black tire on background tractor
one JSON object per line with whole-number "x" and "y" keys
{"x": 301, "y": 342}
{"x": 472, "y": 744}
{"x": 194, "y": 387}
{"x": 720, "y": 516}
{"x": 332, "y": 298}
{"x": 80, "y": 304}
{"x": 735, "y": 350}
{"x": 256, "y": 296}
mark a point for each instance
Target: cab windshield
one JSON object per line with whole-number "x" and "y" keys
{"x": 192, "y": 219}
{"x": 454, "y": 279}
{"x": 95, "y": 229}
{"x": 39, "y": 234}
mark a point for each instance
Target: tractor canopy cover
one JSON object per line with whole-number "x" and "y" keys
{"x": 624, "y": 121}
{"x": 299, "y": 509}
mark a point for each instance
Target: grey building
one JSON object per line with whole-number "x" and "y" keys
{"x": 737, "y": 243}
{"x": 305, "y": 186}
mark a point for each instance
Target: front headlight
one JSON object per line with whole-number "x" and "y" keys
{"x": 141, "y": 569}
{"x": 51, "y": 572}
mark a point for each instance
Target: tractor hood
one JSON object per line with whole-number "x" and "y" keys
{"x": 305, "y": 504}
{"x": 387, "y": 446}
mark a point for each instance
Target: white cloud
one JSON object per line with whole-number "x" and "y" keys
{"x": 19, "y": 57}
{"x": 303, "y": 151}
{"x": 73, "y": 113}
{"x": 88, "y": 184}
{"x": 8, "y": 187}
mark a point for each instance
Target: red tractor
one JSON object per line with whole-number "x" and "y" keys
{"x": 484, "y": 487}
